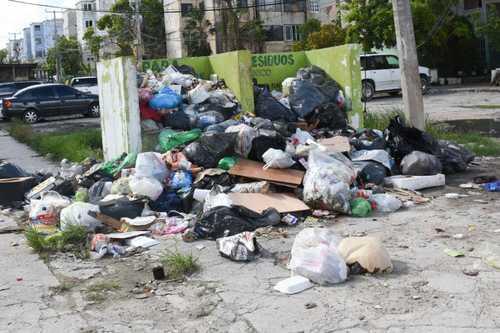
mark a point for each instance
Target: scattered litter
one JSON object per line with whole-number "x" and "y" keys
{"x": 416, "y": 182}
{"x": 240, "y": 247}
{"x": 142, "y": 241}
{"x": 455, "y": 196}
{"x": 454, "y": 253}
{"x": 470, "y": 271}
{"x": 293, "y": 285}
{"x": 458, "y": 236}
{"x": 368, "y": 252}
{"x": 258, "y": 202}
{"x": 310, "y": 305}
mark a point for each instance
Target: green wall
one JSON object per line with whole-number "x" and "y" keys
{"x": 238, "y": 68}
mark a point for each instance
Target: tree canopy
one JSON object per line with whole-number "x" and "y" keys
{"x": 68, "y": 50}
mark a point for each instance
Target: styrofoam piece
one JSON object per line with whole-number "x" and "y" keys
{"x": 143, "y": 241}
{"x": 293, "y": 285}
{"x": 415, "y": 183}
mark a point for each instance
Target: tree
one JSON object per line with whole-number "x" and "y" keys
{"x": 310, "y": 26}
{"x": 153, "y": 29}
{"x": 3, "y": 56}
{"x": 121, "y": 30}
{"x": 491, "y": 27}
{"x": 328, "y": 35}
{"x": 93, "y": 42}
{"x": 69, "y": 54}
{"x": 196, "y": 33}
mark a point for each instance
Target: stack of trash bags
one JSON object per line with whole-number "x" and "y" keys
{"x": 224, "y": 180}
{"x": 180, "y": 100}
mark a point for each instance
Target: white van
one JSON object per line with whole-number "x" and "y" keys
{"x": 381, "y": 73}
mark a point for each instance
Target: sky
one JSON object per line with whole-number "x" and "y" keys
{"x": 14, "y": 16}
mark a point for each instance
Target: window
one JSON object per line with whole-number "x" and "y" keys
{"x": 269, "y": 5}
{"x": 294, "y": 5}
{"x": 22, "y": 85}
{"x": 314, "y": 6}
{"x": 292, "y": 32}
{"x": 274, "y": 33}
{"x": 43, "y": 92}
{"x": 87, "y": 6}
{"x": 37, "y": 28}
{"x": 38, "y": 41}
{"x": 64, "y": 91}
{"x": 472, "y": 4}
{"x": 392, "y": 61}
{"x": 7, "y": 89}
{"x": 374, "y": 63}
{"x": 186, "y": 8}
{"x": 84, "y": 81}
{"x": 88, "y": 24}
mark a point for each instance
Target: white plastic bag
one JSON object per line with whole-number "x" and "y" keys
{"x": 277, "y": 159}
{"x": 315, "y": 256}
{"x": 150, "y": 164}
{"x": 199, "y": 94}
{"x": 148, "y": 187}
{"x": 327, "y": 180}
{"x": 46, "y": 209}
{"x": 246, "y": 134}
{"x": 386, "y": 203}
{"x": 77, "y": 214}
{"x": 216, "y": 198}
{"x": 301, "y": 137}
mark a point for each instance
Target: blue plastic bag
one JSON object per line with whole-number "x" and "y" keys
{"x": 492, "y": 187}
{"x": 166, "y": 99}
{"x": 181, "y": 181}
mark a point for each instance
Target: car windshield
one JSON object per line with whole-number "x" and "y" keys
{"x": 85, "y": 81}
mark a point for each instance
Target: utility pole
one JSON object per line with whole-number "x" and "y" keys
{"x": 56, "y": 50}
{"x": 408, "y": 61}
{"x": 138, "y": 33}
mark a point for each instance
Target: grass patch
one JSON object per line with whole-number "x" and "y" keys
{"x": 479, "y": 144}
{"x": 73, "y": 239}
{"x": 177, "y": 265}
{"x": 64, "y": 286}
{"x": 103, "y": 286}
{"x": 75, "y": 146}
{"x": 481, "y": 106}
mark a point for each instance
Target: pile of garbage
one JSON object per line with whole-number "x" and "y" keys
{"x": 216, "y": 177}
{"x": 180, "y": 100}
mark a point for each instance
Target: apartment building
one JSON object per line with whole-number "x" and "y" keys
{"x": 281, "y": 21}
{"x": 69, "y": 25}
{"x": 26, "y": 48}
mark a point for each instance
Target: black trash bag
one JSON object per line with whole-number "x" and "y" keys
{"x": 95, "y": 191}
{"x": 263, "y": 142}
{"x": 66, "y": 188}
{"x": 305, "y": 97}
{"x": 368, "y": 140}
{"x": 403, "y": 140}
{"x": 9, "y": 170}
{"x": 226, "y": 112}
{"x": 266, "y": 106}
{"x": 370, "y": 172}
{"x": 328, "y": 116}
{"x": 167, "y": 201}
{"x": 418, "y": 163}
{"x": 185, "y": 69}
{"x": 284, "y": 128}
{"x": 209, "y": 181}
{"x": 454, "y": 157}
{"x": 221, "y": 127}
{"x": 178, "y": 120}
{"x": 122, "y": 207}
{"x": 224, "y": 221}
{"x": 209, "y": 118}
{"x": 210, "y": 148}
{"x": 330, "y": 89}
{"x": 261, "y": 123}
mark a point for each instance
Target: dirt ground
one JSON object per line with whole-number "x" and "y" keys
{"x": 427, "y": 291}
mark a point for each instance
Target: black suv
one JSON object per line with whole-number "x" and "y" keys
{"x": 49, "y": 100}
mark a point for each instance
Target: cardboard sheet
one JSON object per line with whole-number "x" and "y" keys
{"x": 252, "y": 169}
{"x": 258, "y": 202}
{"x": 339, "y": 144}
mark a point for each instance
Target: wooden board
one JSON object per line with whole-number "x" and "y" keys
{"x": 252, "y": 169}
{"x": 258, "y": 202}
{"x": 339, "y": 144}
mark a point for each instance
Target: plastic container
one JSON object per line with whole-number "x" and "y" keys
{"x": 293, "y": 285}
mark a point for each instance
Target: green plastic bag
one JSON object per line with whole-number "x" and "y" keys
{"x": 170, "y": 139}
{"x": 227, "y": 163}
{"x": 114, "y": 167}
{"x": 82, "y": 195}
{"x": 360, "y": 208}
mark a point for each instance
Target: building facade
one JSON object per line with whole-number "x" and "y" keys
{"x": 26, "y": 51}
{"x": 281, "y": 21}
{"x": 14, "y": 50}
{"x": 69, "y": 23}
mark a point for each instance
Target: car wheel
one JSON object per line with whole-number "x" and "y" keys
{"x": 94, "y": 110}
{"x": 425, "y": 84}
{"x": 367, "y": 91}
{"x": 30, "y": 116}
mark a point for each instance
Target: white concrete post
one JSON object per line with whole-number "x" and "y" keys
{"x": 119, "y": 104}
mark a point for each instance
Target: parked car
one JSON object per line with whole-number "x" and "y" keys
{"x": 49, "y": 100}
{"x": 85, "y": 84}
{"x": 381, "y": 73}
{"x": 8, "y": 89}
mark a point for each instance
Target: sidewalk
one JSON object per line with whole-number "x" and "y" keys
{"x": 20, "y": 154}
